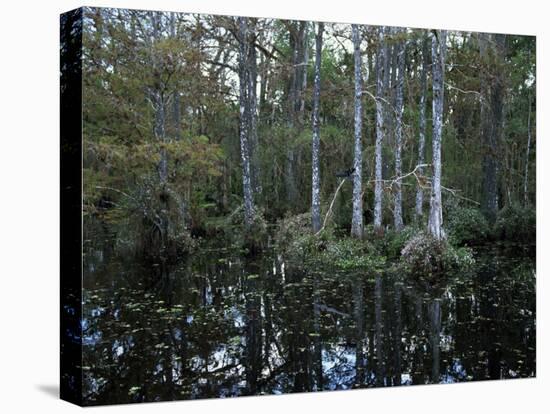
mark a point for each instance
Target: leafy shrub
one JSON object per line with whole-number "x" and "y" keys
{"x": 393, "y": 242}
{"x": 466, "y": 225}
{"x": 232, "y": 230}
{"x": 305, "y": 249}
{"x": 426, "y": 256}
{"x": 516, "y": 223}
{"x": 352, "y": 254}
{"x": 295, "y": 239}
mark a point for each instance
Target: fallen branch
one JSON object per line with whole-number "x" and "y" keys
{"x": 454, "y": 193}
{"x": 413, "y": 172}
{"x": 330, "y": 207}
{"x": 99, "y": 187}
{"x": 331, "y": 310}
{"x": 400, "y": 178}
{"x": 448, "y": 85}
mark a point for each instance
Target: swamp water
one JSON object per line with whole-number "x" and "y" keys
{"x": 220, "y": 324}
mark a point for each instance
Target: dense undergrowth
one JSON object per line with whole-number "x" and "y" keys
{"x": 159, "y": 230}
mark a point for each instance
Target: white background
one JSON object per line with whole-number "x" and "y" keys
{"x": 29, "y": 204}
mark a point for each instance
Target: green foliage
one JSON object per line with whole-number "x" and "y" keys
{"x": 127, "y": 72}
{"x": 430, "y": 258}
{"x": 231, "y": 230}
{"x": 516, "y": 223}
{"x": 294, "y": 237}
{"x": 350, "y": 254}
{"x": 466, "y": 225}
{"x": 305, "y": 249}
{"x": 392, "y": 242}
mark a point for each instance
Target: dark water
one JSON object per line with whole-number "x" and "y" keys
{"x": 221, "y": 325}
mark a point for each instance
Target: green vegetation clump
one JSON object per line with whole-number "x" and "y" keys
{"x": 466, "y": 225}
{"x": 297, "y": 241}
{"x": 295, "y": 238}
{"x": 423, "y": 255}
{"x": 232, "y": 231}
{"x": 149, "y": 221}
{"x": 392, "y": 242}
{"x": 517, "y": 224}
{"x": 350, "y": 254}
{"x": 255, "y": 237}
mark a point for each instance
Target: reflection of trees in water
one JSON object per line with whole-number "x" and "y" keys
{"x": 226, "y": 325}
{"x": 253, "y": 318}
{"x": 359, "y": 315}
{"x": 434, "y": 310}
{"x": 397, "y": 333}
{"x": 379, "y": 334}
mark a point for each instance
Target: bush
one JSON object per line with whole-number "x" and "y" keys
{"x": 426, "y": 256}
{"x": 151, "y": 221}
{"x": 234, "y": 232}
{"x": 466, "y": 225}
{"x": 349, "y": 254}
{"x": 393, "y": 242}
{"x": 516, "y": 223}
{"x": 296, "y": 240}
{"x": 306, "y": 250}
{"x": 291, "y": 228}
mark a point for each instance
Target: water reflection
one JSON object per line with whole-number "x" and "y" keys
{"x": 221, "y": 325}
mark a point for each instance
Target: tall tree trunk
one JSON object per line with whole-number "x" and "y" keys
{"x": 244, "y": 121}
{"x": 290, "y": 182}
{"x": 357, "y": 214}
{"x": 304, "y": 71}
{"x": 264, "y": 70}
{"x": 253, "y": 114}
{"x": 316, "y": 173}
{"x": 380, "y": 128}
{"x": 159, "y": 102}
{"x": 528, "y": 150}
{"x": 388, "y": 100}
{"x": 435, "y": 220}
{"x": 397, "y": 201}
{"x": 176, "y": 104}
{"x": 419, "y": 208}
{"x": 297, "y": 32}
{"x": 492, "y": 51}
{"x": 160, "y": 134}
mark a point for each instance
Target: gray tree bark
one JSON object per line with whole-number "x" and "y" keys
{"x": 419, "y": 205}
{"x": 244, "y": 121}
{"x": 298, "y": 44}
{"x": 435, "y": 220}
{"x": 398, "y": 196}
{"x": 528, "y": 150}
{"x": 304, "y": 71}
{"x": 159, "y": 101}
{"x": 380, "y": 127}
{"x": 253, "y": 113}
{"x": 176, "y": 101}
{"x": 492, "y": 118}
{"x": 357, "y": 213}
{"x": 315, "y": 173}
